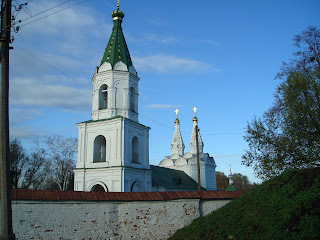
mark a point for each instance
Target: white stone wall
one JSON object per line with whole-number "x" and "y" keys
{"x": 106, "y": 219}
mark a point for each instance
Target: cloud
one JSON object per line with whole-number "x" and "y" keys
{"x": 159, "y": 39}
{"x": 32, "y": 92}
{"x": 19, "y": 115}
{"x": 168, "y": 64}
{"x": 62, "y": 39}
{"x": 211, "y": 42}
{"x": 227, "y": 156}
{"x": 161, "y": 106}
{"x": 25, "y": 132}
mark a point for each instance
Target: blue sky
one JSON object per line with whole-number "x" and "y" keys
{"x": 220, "y": 56}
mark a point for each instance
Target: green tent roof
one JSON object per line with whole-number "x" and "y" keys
{"x": 231, "y": 188}
{"x": 172, "y": 179}
{"x": 117, "y": 49}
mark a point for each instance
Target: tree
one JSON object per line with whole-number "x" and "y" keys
{"x": 288, "y": 134}
{"x": 27, "y": 170}
{"x": 18, "y": 161}
{"x": 62, "y": 160}
{"x": 241, "y": 182}
{"x": 222, "y": 181}
{"x": 36, "y": 170}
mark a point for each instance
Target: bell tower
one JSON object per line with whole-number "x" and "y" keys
{"x": 113, "y": 152}
{"x": 115, "y": 81}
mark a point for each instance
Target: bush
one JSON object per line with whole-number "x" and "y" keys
{"x": 285, "y": 207}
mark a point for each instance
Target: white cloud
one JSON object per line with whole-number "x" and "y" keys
{"x": 32, "y": 92}
{"x": 19, "y": 115}
{"x": 172, "y": 65}
{"x": 162, "y": 106}
{"x": 62, "y": 40}
{"x": 25, "y": 132}
{"x": 211, "y": 42}
{"x": 159, "y": 39}
{"x": 226, "y": 156}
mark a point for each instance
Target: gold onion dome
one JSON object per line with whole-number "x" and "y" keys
{"x": 195, "y": 119}
{"x": 176, "y": 121}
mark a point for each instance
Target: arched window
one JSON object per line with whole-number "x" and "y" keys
{"x": 132, "y": 99}
{"x": 135, "y": 150}
{"x": 103, "y": 97}
{"x": 98, "y": 188}
{"x": 136, "y": 187}
{"x": 99, "y": 150}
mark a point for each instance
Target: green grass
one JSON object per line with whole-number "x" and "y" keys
{"x": 285, "y": 207}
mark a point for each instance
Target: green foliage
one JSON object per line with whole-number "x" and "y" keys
{"x": 288, "y": 134}
{"x": 286, "y": 207}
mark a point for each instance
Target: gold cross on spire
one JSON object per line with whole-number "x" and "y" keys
{"x": 118, "y": 4}
{"x": 194, "y": 110}
{"x": 176, "y": 111}
{"x": 230, "y": 167}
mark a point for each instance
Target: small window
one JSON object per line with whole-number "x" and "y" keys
{"x": 99, "y": 150}
{"x": 103, "y": 97}
{"x": 135, "y": 150}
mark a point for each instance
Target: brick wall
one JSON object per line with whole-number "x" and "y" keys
{"x": 129, "y": 215}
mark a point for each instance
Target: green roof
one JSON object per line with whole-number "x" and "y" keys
{"x": 101, "y": 120}
{"x": 231, "y": 188}
{"x": 117, "y": 49}
{"x": 172, "y": 179}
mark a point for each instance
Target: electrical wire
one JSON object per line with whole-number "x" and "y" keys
{"x": 15, "y": 45}
{"x": 140, "y": 115}
{"x": 44, "y": 11}
{"x": 53, "y": 13}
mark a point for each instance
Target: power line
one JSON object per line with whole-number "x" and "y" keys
{"x": 44, "y": 11}
{"x": 51, "y": 13}
{"x": 141, "y": 115}
{"x": 52, "y": 66}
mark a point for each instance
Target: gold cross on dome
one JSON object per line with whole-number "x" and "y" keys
{"x": 176, "y": 111}
{"x": 194, "y": 110}
{"x": 230, "y": 167}
{"x": 118, "y": 4}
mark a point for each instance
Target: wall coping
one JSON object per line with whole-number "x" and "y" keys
{"x": 53, "y": 195}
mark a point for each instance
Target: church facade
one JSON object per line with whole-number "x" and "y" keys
{"x": 187, "y": 162}
{"x": 113, "y": 152}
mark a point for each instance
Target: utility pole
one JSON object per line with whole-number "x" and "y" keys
{"x": 5, "y": 183}
{"x": 198, "y": 158}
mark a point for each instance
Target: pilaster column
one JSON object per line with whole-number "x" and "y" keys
{"x": 111, "y": 97}
{"x": 126, "y": 98}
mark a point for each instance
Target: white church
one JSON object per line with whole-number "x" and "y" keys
{"x": 113, "y": 151}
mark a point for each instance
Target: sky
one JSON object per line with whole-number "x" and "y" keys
{"x": 218, "y": 56}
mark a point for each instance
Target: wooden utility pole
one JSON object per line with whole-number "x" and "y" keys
{"x": 5, "y": 177}
{"x": 198, "y": 159}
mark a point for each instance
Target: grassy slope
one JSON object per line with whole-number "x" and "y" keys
{"x": 285, "y": 207}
